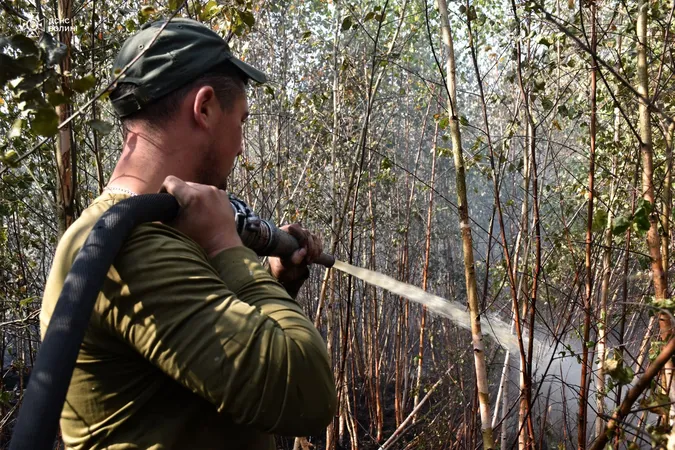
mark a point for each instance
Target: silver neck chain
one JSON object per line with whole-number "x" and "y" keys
{"x": 119, "y": 190}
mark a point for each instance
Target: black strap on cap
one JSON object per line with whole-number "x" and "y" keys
{"x": 126, "y": 104}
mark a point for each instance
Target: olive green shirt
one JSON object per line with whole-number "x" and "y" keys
{"x": 187, "y": 352}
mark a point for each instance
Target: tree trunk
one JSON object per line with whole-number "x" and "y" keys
{"x": 465, "y": 227}
{"x": 583, "y": 384}
{"x": 653, "y": 239}
{"x": 66, "y": 179}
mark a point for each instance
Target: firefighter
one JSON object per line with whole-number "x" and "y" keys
{"x": 192, "y": 343}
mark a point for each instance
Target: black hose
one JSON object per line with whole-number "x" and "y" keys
{"x": 43, "y": 400}
{"x": 50, "y": 378}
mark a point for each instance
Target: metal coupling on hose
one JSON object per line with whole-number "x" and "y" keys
{"x": 263, "y": 237}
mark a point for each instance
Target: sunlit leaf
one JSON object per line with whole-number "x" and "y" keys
{"x": 84, "y": 84}
{"x": 175, "y": 4}
{"x": 148, "y": 10}
{"x": 10, "y": 158}
{"x": 15, "y": 131}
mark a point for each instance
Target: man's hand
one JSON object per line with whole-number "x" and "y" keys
{"x": 206, "y": 215}
{"x": 292, "y": 272}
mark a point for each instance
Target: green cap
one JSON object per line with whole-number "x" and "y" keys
{"x": 184, "y": 50}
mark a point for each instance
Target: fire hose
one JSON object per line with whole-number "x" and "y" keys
{"x": 46, "y": 392}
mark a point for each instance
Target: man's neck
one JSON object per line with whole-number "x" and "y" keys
{"x": 147, "y": 159}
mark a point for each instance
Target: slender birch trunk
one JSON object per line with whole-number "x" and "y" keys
{"x": 602, "y": 323}
{"x": 653, "y": 240}
{"x": 425, "y": 275}
{"x": 467, "y": 241}
{"x": 336, "y": 224}
{"x": 373, "y": 332}
{"x": 669, "y": 371}
{"x": 525, "y": 423}
{"x": 667, "y": 201}
{"x": 583, "y": 384}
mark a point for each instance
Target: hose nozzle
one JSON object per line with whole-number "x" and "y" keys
{"x": 264, "y": 238}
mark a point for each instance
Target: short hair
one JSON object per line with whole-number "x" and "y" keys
{"x": 227, "y": 82}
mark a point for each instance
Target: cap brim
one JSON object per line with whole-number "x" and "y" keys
{"x": 250, "y": 71}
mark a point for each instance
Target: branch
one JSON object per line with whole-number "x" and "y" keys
{"x": 549, "y": 17}
{"x": 633, "y": 394}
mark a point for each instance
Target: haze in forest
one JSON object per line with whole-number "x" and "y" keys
{"x": 514, "y": 157}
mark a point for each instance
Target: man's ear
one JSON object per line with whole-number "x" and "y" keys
{"x": 206, "y": 108}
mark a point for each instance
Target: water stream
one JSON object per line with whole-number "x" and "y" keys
{"x": 492, "y": 326}
{"x": 559, "y": 380}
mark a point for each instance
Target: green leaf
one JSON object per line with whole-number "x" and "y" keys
{"x": 657, "y": 403}
{"x": 346, "y": 23}
{"x": 29, "y": 82}
{"x": 641, "y": 216}
{"x": 101, "y": 126}
{"x": 546, "y": 103}
{"x": 148, "y": 10}
{"x": 45, "y": 122}
{"x": 443, "y": 151}
{"x": 539, "y": 86}
{"x": 563, "y": 111}
{"x": 175, "y": 4}
{"x": 210, "y": 9}
{"x": 620, "y": 373}
{"x": 27, "y": 301}
{"x": 9, "y": 69}
{"x": 84, "y": 84}
{"x": 56, "y": 98}
{"x": 620, "y": 225}
{"x": 599, "y": 220}
{"x": 28, "y": 63}
{"x": 545, "y": 41}
{"x": 641, "y": 223}
{"x": 645, "y": 205}
{"x": 24, "y": 44}
{"x": 10, "y": 158}
{"x": 247, "y": 18}
{"x": 663, "y": 303}
{"x": 443, "y": 123}
{"x": 15, "y": 131}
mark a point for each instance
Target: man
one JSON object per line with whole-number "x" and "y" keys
{"x": 192, "y": 344}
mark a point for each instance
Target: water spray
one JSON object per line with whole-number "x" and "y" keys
{"x": 266, "y": 239}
